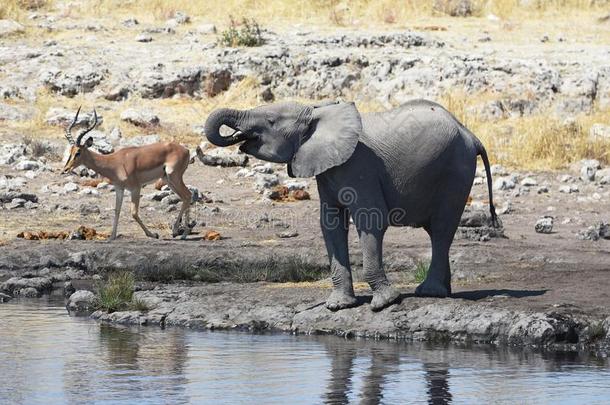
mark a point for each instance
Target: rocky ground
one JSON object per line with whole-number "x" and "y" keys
{"x": 543, "y": 280}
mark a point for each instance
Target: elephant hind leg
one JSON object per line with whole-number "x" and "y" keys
{"x": 441, "y": 232}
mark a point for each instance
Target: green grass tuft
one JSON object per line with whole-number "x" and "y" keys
{"x": 421, "y": 270}
{"x": 248, "y": 35}
{"x": 116, "y": 293}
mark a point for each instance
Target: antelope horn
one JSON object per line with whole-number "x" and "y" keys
{"x": 80, "y": 136}
{"x": 69, "y": 129}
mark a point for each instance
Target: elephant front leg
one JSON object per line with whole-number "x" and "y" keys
{"x": 383, "y": 292}
{"x": 335, "y": 226}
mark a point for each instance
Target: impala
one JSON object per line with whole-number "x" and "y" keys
{"x": 133, "y": 167}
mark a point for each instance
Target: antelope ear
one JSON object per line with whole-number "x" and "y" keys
{"x": 332, "y": 138}
{"x": 89, "y": 142}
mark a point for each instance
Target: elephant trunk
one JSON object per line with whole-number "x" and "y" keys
{"x": 220, "y": 117}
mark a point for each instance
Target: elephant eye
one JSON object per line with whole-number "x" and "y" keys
{"x": 271, "y": 120}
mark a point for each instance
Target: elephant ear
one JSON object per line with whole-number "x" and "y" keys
{"x": 332, "y": 138}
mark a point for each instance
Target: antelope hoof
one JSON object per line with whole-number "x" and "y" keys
{"x": 192, "y": 224}
{"x": 154, "y": 235}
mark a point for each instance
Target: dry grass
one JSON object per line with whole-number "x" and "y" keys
{"x": 540, "y": 141}
{"x": 337, "y": 12}
{"x": 18, "y": 9}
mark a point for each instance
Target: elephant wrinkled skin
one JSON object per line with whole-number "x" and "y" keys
{"x": 410, "y": 166}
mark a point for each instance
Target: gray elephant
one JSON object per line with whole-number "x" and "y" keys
{"x": 410, "y": 166}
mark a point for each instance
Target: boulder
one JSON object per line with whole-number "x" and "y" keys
{"x": 544, "y": 225}
{"x": 81, "y": 301}
{"x": 70, "y": 187}
{"x": 222, "y": 157}
{"x": 13, "y": 285}
{"x": 504, "y": 183}
{"x": 81, "y": 79}
{"x": 6, "y": 197}
{"x": 595, "y": 232}
{"x": 26, "y": 165}
{"x": 157, "y": 82}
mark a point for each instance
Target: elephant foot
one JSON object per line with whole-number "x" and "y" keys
{"x": 433, "y": 288}
{"x": 340, "y": 300}
{"x": 384, "y": 297}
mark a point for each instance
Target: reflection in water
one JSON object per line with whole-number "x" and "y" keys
{"x": 138, "y": 363}
{"x": 49, "y": 357}
{"x": 437, "y": 378}
{"x": 385, "y": 360}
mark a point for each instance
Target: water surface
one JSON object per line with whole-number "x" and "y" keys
{"x": 49, "y": 357}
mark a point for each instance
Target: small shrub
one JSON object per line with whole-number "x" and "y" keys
{"x": 248, "y": 35}
{"x": 421, "y": 270}
{"x": 117, "y": 292}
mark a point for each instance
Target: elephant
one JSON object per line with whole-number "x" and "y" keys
{"x": 413, "y": 165}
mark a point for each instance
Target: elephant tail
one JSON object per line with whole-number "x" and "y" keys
{"x": 483, "y": 153}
